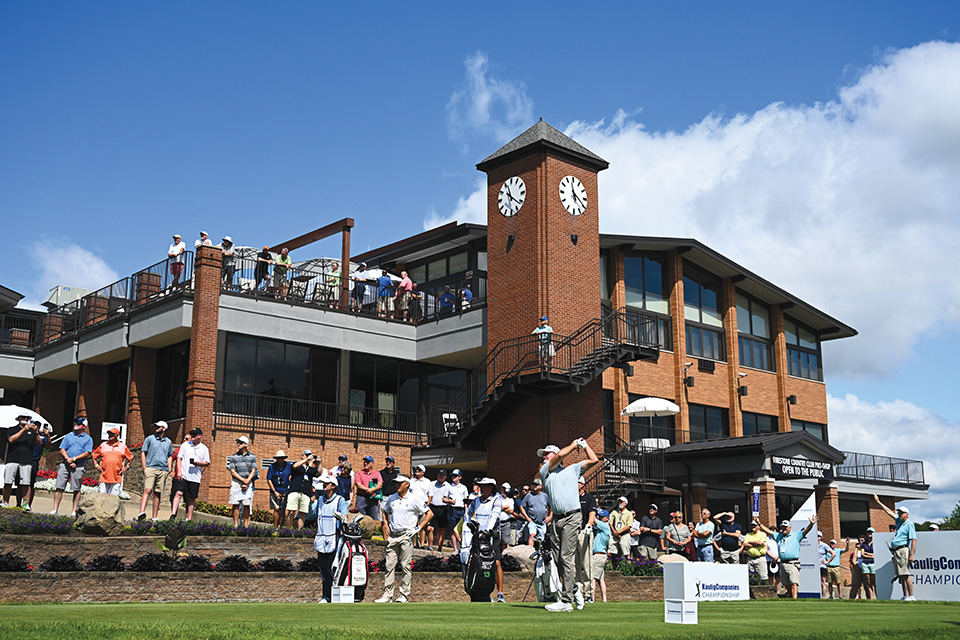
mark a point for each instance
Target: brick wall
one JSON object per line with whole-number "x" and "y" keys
{"x": 143, "y": 376}
{"x": 50, "y": 402}
{"x": 92, "y": 398}
{"x": 828, "y": 511}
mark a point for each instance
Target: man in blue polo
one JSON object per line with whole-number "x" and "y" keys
{"x": 903, "y": 547}
{"x": 75, "y": 449}
{"x": 788, "y": 543}
{"x": 563, "y": 493}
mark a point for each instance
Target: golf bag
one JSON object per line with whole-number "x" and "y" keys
{"x": 479, "y": 573}
{"x": 546, "y": 578}
{"x": 350, "y": 562}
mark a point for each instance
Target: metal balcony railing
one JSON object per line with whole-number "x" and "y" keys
{"x": 19, "y": 329}
{"x": 866, "y": 466}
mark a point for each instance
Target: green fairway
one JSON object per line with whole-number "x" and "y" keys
{"x": 428, "y": 621}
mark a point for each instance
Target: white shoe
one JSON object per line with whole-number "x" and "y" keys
{"x": 401, "y": 599}
{"x": 54, "y": 512}
{"x": 26, "y": 507}
{"x": 73, "y": 514}
{"x": 910, "y": 599}
{"x": 559, "y": 607}
{"x": 323, "y": 601}
{"x": 578, "y": 598}
{"x": 382, "y": 600}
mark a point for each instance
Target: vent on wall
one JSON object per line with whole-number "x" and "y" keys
{"x": 707, "y": 365}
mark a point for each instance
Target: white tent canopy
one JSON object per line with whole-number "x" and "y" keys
{"x": 9, "y": 413}
{"x": 650, "y": 408}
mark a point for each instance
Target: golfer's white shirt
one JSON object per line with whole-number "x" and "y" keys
{"x": 404, "y": 512}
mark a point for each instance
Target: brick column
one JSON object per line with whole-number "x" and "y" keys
{"x": 143, "y": 375}
{"x": 697, "y": 501}
{"x": 828, "y": 511}
{"x": 733, "y": 355}
{"x": 49, "y": 400}
{"x": 768, "y": 501}
{"x": 675, "y": 280}
{"x": 618, "y": 299}
{"x": 879, "y": 519}
{"x": 92, "y": 397}
{"x": 201, "y": 376}
{"x": 780, "y": 357}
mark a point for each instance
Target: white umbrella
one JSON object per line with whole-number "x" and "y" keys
{"x": 373, "y": 274}
{"x": 650, "y": 408}
{"x": 9, "y": 413}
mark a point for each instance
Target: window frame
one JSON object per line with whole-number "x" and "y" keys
{"x": 699, "y": 275}
{"x": 707, "y": 435}
{"x": 802, "y": 351}
{"x": 749, "y": 338}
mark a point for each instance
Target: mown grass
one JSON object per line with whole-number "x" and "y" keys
{"x": 769, "y": 620}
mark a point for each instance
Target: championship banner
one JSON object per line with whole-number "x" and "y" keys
{"x": 935, "y": 569}
{"x": 809, "y": 553}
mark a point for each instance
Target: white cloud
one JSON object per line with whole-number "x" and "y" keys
{"x": 901, "y": 429}
{"x": 59, "y": 261}
{"x": 486, "y": 106}
{"x": 852, "y": 205}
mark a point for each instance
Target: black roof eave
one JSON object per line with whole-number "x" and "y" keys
{"x": 764, "y": 444}
{"x": 542, "y": 145}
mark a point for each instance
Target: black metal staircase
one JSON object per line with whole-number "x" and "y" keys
{"x": 631, "y": 468}
{"x": 539, "y": 365}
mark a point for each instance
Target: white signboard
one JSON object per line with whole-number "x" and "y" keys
{"x": 809, "y": 553}
{"x": 680, "y": 611}
{"x": 106, "y": 426}
{"x": 705, "y": 581}
{"x": 935, "y": 569}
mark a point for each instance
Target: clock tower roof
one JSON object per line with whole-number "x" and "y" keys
{"x": 542, "y": 136}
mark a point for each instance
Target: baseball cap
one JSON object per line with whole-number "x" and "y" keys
{"x": 227, "y": 239}
{"x": 196, "y": 431}
{"x": 506, "y": 485}
{"x": 401, "y": 478}
{"x": 654, "y": 507}
{"x": 390, "y": 459}
{"x": 581, "y": 480}
{"x": 80, "y": 422}
{"x": 786, "y": 523}
{"x": 903, "y": 510}
{"x": 754, "y": 523}
{"x": 342, "y": 456}
{"x": 537, "y": 481}
{"x": 819, "y": 533}
{"x": 176, "y": 235}
{"x": 456, "y": 472}
{"x": 833, "y": 541}
{"x": 550, "y": 448}
{"x": 544, "y": 318}
{"x": 871, "y": 530}
{"x": 204, "y": 233}
{"x": 327, "y": 479}
{"x": 160, "y": 424}
{"x": 603, "y": 513}
{"x": 622, "y": 499}
{"x": 243, "y": 439}
{"x": 368, "y": 458}
{"x": 935, "y": 527}
{"x": 280, "y": 454}
{"x": 487, "y": 481}
{"x": 24, "y": 415}
{"x": 442, "y": 472}
{"x": 113, "y": 430}
{"x": 420, "y": 467}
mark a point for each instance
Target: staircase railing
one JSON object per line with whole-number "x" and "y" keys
{"x": 573, "y": 356}
{"x": 630, "y": 462}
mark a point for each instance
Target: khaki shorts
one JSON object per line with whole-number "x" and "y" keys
{"x": 649, "y": 552}
{"x": 599, "y": 561}
{"x": 790, "y": 573}
{"x": 758, "y": 566}
{"x": 901, "y": 566}
{"x": 833, "y": 575}
{"x": 298, "y": 502}
{"x": 154, "y": 479}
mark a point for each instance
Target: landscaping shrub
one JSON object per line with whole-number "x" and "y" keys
{"x": 235, "y": 564}
{"x": 11, "y": 562}
{"x": 428, "y": 563}
{"x": 28, "y": 523}
{"x": 61, "y": 563}
{"x": 192, "y": 562}
{"x": 377, "y": 567}
{"x": 310, "y": 564}
{"x": 152, "y": 562}
{"x": 196, "y": 528}
{"x": 259, "y": 515}
{"x": 275, "y": 564}
{"x": 453, "y": 563}
{"x": 108, "y": 562}
{"x": 631, "y": 567}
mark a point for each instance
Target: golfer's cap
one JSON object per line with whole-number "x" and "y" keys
{"x": 506, "y": 485}
{"x": 113, "y": 430}
{"x": 933, "y": 527}
{"x": 401, "y": 478}
{"x": 489, "y": 481}
{"x": 390, "y": 459}
{"x": 550, "y": 448}
{"x": 654, "y": 507}
{"x": 176, "y": 235}
{"x": 196, "y": 431}
{"x": 903, "y": 510}
{"x": 307, "y": 452}
{"x": 327, "y": 479}
{"x": 160, "y": 424}
{"x": 368, "y": 458}
{"x": 280, "y": 454}
{"x": 420, "y": 467}
{"x": 832, "y": 541}
{"x": 243, "y": 439}
{"x": 603, "y": 513}
{"x": 786, "y": 523}
{"x": 456, "y": 472}
{"x": 581, "y": 480}
{"x": 622, "y": 499}
{"x": 871, "y": 530}
{"x": 342, "y": 456}
{"x": 544, "y": 318}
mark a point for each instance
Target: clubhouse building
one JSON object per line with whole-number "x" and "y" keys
{"x": 461, "y": 381}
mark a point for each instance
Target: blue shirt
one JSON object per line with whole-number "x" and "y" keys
{"x": 825, "y": 552}
{"x": 158, "y": 451}
{"x": 906, "y": 531}
{"x": 447, "y": 300}
{"x": 74, "y": 444}
{"x": 279, "y": 475}
{"x": 38, "y": 450}
{"x": 789, "y": 544}
{"x": 467, "y": 295}
{"x": 601, "y": 539}
{"x": 562, "y": 487}
{"x": 701, "y": 527}
{"x": 386, "y": 286}
{"x": 834, "y": 560}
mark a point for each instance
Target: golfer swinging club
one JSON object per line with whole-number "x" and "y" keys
{"x": 563, "y": 494}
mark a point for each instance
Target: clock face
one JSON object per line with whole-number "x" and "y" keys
{"x": 512, "y": 194}
{"x": 573, "y": 196}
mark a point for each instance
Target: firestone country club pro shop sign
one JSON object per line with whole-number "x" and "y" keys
{"x": 801, "y": 468}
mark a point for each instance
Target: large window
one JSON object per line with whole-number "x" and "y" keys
{"x": 646, "y": 290}
{"x": 803, "y": 351}
{"x": 117, "y": 377}
{"x": 278, "y": 369}
{"x": 754, "y": 423}
{"x": 708, "y": 422}
{"x": 753, "y": 325}
{"x": 173, "y": 363}
{"x": 440, "y": 268}
{"x": 815, "y": 429}
{"x": 701, "y": 310}
{"x": 854, "y": 517}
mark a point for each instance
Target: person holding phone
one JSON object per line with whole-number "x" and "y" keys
{"x": 192, "y": 460}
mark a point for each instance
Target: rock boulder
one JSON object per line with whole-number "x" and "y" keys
{"x": 100, "y": 515}
{"x": 522, "y": 553}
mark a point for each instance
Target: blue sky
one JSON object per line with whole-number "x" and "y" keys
{"x": 802, "y": 123}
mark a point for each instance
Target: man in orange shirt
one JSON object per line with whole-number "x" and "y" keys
{"x": 112, "y": 459}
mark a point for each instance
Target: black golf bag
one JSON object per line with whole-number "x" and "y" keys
{"x": 351, "y": 557}
{"x": 479, "y": 573}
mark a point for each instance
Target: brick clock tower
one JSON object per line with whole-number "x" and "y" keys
{"x": 543, "y": 258}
